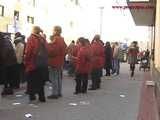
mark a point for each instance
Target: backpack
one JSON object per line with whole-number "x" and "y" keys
{"x": 41, "y": 59}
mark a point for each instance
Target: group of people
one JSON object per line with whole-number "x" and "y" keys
{"x": 42, "y": 61}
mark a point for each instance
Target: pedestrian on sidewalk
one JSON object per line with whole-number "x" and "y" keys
{"x": 36, "y": 64}
{"x": 19, "y": 42}
{"x": 56, "y": 51}
{"x": 108, "y": 59}
{"x": 7, "y": 63}
{"x": 98, "y": 57}
{"x": 116, "y": 61}
{"x": 132, "y": 56}
{"x": 83, "y": 66}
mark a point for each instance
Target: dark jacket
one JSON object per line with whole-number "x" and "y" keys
{"x": 7, "y": 53}
{"x": 108, "y": 57}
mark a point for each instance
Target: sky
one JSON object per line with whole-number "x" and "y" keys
{"x": 117, "y": 24}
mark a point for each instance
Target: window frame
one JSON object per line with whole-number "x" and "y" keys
{"x": 30, "y": 19}
{"x": 2, "y": 10}
{"x": 16, "y": 12}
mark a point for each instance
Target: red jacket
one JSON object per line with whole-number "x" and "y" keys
{"x": 31, "y": 49}
{"x": 83, "y": 64}
{"x": 98, "y": 58}
{"x": 75, "y": 53}
{"x": 56, "y": 52}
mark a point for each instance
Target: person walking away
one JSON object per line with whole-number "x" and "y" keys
{"x": 108, "y": 59}
{"x": 56, "y": 51}
{"x": 98, "y": 57}
{"x": 132, "y": 56}
{"x": 8, "y": 59}
{"x": 36, "y": 64}
{"x": 83, "y": 66}
{"x": 19, "y": 49}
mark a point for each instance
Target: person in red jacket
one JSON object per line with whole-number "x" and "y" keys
{"x": 98, "y": 60}
{"x": 36, "y": 75}
{"x": 83, "y": 62}
{"x": 56, "y": 51}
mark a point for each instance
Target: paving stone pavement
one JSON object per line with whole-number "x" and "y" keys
{"x": 118, "y": 99}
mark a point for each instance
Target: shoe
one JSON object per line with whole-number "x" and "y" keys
{"x": 16, "y": 87}
{"x": 53, "y": 97}
{"x": 26, "y": 92}
{"x": 32, "y": 98}
{"x": 84, "y": 92}
{"x": 7, "y": 91}
{"x": 92, "y": 89}
{"x": 42, "y": 100}
{"x": 60, "y": 95}
{"x": 75, "y": 93}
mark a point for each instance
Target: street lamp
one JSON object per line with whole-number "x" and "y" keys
{"x": 101, "y": 19}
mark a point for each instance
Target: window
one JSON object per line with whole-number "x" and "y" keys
{"x": 30, "y": 19}
{"x": 16, "y": 15}
{"x": 1, "y": 10}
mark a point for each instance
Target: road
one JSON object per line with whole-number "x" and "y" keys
{"x": 118, "y": 99}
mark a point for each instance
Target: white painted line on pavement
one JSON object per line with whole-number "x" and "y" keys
{"x": 73, "y": 104}
{"x": 16, "y": 103}
{"x": 28, "y": 115}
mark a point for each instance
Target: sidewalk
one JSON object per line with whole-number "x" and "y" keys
{"x": 148, "y": 109}
{"x": 118, "y": 99}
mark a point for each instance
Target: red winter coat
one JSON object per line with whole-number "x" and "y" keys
{"x": 31, "y": 50}
{"x": 75, "y": 53}
{"x": 56, "y": 52}
{"x": 83, "y": 63}
{"x": 98, "y": 58}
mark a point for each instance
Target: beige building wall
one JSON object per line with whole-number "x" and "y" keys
{"x": 157, "y": 36}
{"x": 25, "y": 9}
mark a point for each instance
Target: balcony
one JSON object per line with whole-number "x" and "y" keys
{"x": 143, "y": 11}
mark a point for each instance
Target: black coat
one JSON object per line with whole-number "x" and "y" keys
{"x": 108, "y": 57}
{"x": 7, "y": 53}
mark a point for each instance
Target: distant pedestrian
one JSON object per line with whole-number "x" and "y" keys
{"x": 108, "y": 58}
{"x": 116, "y": 61}
{"x": 19, "y": 42}
{"x": 132, "y": 56}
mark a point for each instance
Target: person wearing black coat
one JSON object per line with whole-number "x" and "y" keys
{"x": 8, "y": 62}
{"x": 108, "y": 58}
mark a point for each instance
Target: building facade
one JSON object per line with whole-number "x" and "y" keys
{"x": 21, "y": 15}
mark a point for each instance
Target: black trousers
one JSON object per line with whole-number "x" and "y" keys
{"x": 96, "y": 78}
{"x": 132, "y": 68}
{"x": 108, "y": 71}
{"x": 36, "y": 80}
{"x": 81, "y": 83}
{"x": 9, "y": 76}
{"x": 18, "y": 75}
